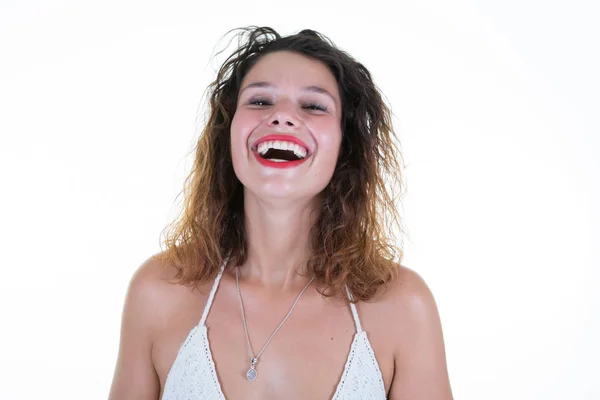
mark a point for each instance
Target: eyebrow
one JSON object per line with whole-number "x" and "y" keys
{"x": 312, "y": 88}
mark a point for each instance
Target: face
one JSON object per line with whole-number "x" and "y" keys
{"x": 288, "y": 108}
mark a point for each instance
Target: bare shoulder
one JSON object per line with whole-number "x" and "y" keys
{"x": 148, "y": 289}
{"x": 406, "y": 311}
{"x": 152, "y": 277}
{"x": 146, "y": 304}
{"x": 403, "y": 301}
{"x": 154, "y": 292}
{"x": 153, "y": 273}
{"x": 409, "y": 295}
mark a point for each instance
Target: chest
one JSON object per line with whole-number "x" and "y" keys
{"x": 305, "y": 359}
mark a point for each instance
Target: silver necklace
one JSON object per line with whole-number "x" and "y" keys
{"x": 252, "y": 374}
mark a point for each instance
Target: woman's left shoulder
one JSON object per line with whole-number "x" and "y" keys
{"x": 404, "y": 323}
{"x": 406, "y": 302}
{"x": 409, "y": 291}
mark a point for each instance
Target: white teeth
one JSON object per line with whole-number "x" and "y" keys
{"x": 299, "y": 151}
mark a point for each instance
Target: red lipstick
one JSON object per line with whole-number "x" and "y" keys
{"x": 282, "y": 164}
{"x": 285, "y": 138}
{"x": 275, "y": 164}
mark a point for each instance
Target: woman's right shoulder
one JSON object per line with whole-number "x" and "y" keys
{"x": 149, "y": 289}
{"x": 148, "y": 303}
{"x": 155, "y": 283}
{"x": 152, "y": 279}
{"x": 152, "y": 273}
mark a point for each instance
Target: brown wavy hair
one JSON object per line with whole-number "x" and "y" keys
{"x": 353, "y": 239}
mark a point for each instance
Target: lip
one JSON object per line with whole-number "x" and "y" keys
{"x": 273, "y": 164}
{"x": 286, "y": 138}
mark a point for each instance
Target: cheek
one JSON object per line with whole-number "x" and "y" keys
{"x": 236, "y": 125}
{"x": 236, "y": 139}
{"x": 330, "y": 138}
{"x": 243, "y": 123}
{"x": 239, "y": 131}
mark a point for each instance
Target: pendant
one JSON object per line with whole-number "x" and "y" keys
{"x": 251, "y": 374}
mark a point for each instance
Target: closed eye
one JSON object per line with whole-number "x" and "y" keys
{"x": 262, "y": 102}
{"x": 259, "y": 102}
{"x": 314, "y": 107}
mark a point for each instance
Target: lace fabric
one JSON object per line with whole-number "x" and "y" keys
{"x": 361, "y": 379}
{"x": 193, "y": 375}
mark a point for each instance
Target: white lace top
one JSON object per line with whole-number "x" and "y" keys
{"x": 193, "y": 375}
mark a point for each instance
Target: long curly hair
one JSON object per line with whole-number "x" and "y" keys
{"x": 353, "y": 238}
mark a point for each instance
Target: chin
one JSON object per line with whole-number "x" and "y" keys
{"x": 279, "y": 195}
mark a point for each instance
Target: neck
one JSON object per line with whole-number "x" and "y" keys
{"x": 278, "y": 242}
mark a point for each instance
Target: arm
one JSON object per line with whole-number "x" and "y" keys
{"x": 420, "y": 362}
{"x": 135, "y": 377}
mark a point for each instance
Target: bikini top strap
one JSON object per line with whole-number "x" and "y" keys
{"x": 354, "y": 312}
{"x": 211, "y": 296}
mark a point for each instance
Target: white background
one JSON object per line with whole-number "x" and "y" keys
{"x": 496, "y": 106}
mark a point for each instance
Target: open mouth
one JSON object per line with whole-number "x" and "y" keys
{"x": 277, "y": 155}
{"x": 280, "y": 154}
{"x": 281, "y": 151}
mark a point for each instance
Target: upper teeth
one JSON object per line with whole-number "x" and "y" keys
{"x": 299, "y": 151}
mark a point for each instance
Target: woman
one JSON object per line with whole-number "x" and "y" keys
{"x": 278, "y": 281}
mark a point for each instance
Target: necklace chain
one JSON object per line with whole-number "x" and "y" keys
{"x": 251, "y": 375}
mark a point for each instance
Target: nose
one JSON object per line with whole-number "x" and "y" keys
{"x": 275, "y": 121}
{"x": 283, "y": 116}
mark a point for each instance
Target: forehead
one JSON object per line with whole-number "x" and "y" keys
{"x": 283, "y": 68}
